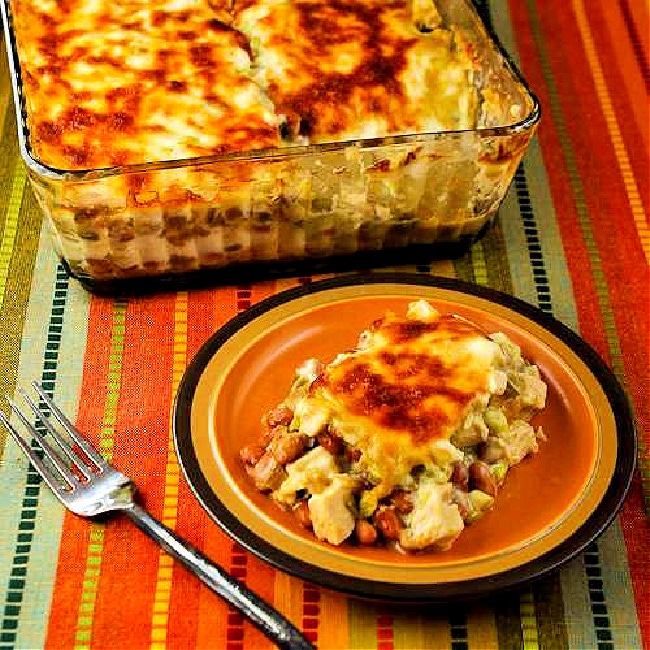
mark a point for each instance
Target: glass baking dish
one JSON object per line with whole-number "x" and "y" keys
{"x": 258, "y": 213}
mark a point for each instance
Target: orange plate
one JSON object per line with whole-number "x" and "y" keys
{"x": 551, "y": 506}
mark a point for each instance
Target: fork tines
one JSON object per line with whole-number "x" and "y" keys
{"x": 71, "y": 472}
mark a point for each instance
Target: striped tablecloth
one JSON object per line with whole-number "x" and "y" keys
{"x": 572, "y": 238}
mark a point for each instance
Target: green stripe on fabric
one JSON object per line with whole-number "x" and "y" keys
{"x": 407, "y": 628}
{"x": 532, "y": 198}
{"x": 463, "y": 267}
{"x": 528, "y": 621}
{"x": 622, "y": 620}
{"x": 577, "y": 610}
{"x": 95, "y": 550}
{"x": 362, "y": 637}
{"x": 39, "y": 589}
{"x": 507, "y": 615}
{"x": 535, "y": 258}
{"x": 16, "y": 293}
{"x": 26, "y": 525}
{"x": 479, "y": 266}
{"x": 495, "y": 256}
{"x": 549, "y": 613}
{"x": 486, "y": 262}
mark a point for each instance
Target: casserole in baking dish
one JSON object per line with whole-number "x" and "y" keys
{"x": 192, "y": 135}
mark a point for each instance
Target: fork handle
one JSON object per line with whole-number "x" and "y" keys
{"x": 273, "y": 624}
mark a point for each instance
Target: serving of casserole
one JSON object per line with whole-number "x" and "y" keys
{"x": 168, "y": 137}
{"x": 405, "y": 439}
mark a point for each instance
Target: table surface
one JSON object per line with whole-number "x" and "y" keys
{"x": 572, "y": 238}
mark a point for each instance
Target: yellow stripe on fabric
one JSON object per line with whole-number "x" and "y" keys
{"x": 620, "y": 150}
{"x": 333, "y": 610}
{"x": 11, "y": 227}
{"x": 528, "y": 619}
{"x": 95, "y": 551}
{"x": 162, "y": 594}
{"x": 288, "y": 596}
{"x": 479, "y": 264}
{"x": 443, "y": 268}
{"x": 481, "y": 626}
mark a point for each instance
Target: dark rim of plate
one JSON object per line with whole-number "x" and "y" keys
{"x": 592, "y": 528}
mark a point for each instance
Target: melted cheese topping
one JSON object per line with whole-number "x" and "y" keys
{"x": 415, "y": 380}
{"x": 402, "y": 394}
{"x": 340, "y": 70}
{"x": 129, "y": 81}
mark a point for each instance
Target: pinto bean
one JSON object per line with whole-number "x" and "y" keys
{"x": 480, "y": 478}
{"x": 388, "y": 523}
{"x": 302, "y": 513}
{"x": 331, "y": 442}
{"x": 267, "y": 473}
{"x": 352, "y": 454}
{"x": 280, "y": 415}
{"x": 402, "y": 501}
{"x": 250, "y": 454}
{"x": 492, "y": 450}
{"x": 366, "y": 533}
{"x": 460, "y": 475}
{"x": 286, "y": 446}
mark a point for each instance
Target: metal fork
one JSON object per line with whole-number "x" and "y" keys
{"x": 87, "y": 485}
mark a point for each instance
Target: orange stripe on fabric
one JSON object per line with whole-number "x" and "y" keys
{"x": 140, "y": 451}
{"x": 620, "y": 149}
{"x": 77, "y": 533}
{"x": 193, "y": 522}
{"x": 289, "y": 599}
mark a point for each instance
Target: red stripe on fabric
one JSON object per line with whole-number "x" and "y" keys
{"x": 636, "y": 530}
{"x": 311, "y": 598}
{"x": 638, "y": 21}
{"x": 385, "y": 632}
{"x": 71, "y": 561}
